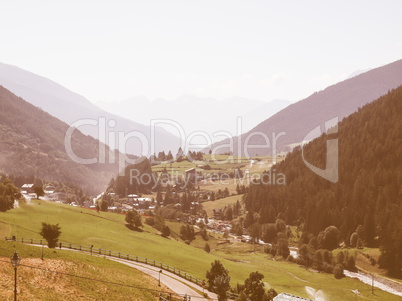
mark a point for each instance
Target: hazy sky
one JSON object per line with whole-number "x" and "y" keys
{"x": 113, "y": 50}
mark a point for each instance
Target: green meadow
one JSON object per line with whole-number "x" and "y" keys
{"x": 37, "y": 279}
{"x": 108, "y": 231}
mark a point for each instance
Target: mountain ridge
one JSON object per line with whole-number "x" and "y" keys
{"x": 336, "y": 101}
{"x": 33, "y": 144}
{"x": 70, "y": 107}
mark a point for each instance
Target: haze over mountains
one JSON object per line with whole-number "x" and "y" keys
{"x": 71, "y": 107}
{"x": 33, "y": 145}
{"x": 195, "y": 113}
{"x": 299, "y": 119}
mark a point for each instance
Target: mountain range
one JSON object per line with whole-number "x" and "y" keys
{"x": 71, "y": 107}
{"x": 195, "y": 113}
{"x": 33, "y": 145}
{"x": 297, "y": 120}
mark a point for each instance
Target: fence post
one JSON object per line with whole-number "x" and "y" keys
{"x": 70, "y": 246}
{"x": 22, "y": 240}
{"x": 119, "y": 254}
{"x": 31, "y": 241}
{"x": 136, "y": 258}
{"x": 128, "y": 257}
{"x": 146, "y": 261}
{"x": 110, "y": 253}
{"x": 154, "y": 262}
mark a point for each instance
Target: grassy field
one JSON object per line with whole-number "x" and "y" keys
{"x": 108, "y": 231}
{"x": 220, "y": 204}
{"x": 36, "y": 282}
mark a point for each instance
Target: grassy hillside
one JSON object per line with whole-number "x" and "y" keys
{"x": 220, "y": 204}
{"x": 38, "y": 284}
{"x": 108, "y": 231}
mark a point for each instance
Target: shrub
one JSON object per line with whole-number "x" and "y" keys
{"x": 327, "y": 268}
{"x": 133, "y": 218}
{"x": 51, "y": 233}
{"x": 150, "y": 221}
{"x": 338, "y": 271}
{"x": 350, "y": 264}
{"x": 165, "y": 231}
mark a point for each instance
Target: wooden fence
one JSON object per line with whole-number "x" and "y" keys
{"x": 98, "y": 251}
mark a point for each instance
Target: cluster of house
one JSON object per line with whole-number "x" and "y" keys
{"x": 29, "y": 190}
{"x": 133, "y": 201}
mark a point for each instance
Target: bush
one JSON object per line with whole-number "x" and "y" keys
{"x": 338, "y": 271}
{"x": 51, "y": 233}
{"x": 271, "y": 294}
{"x": 350, "y": 264}
{"x": 207, "y": 248}
{"x": 150, "y": 221}
{"x": 187, "y": 232}
{"x": 165, "y": 231}
{"x": 327, "y": 268}
{"x": 133, "y": 218}
{"x": 204, "y": 234}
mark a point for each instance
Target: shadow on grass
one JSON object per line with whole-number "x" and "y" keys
{"x": 134, "y": 228}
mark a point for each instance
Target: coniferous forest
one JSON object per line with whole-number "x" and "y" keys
{"x": 366, "y": 202}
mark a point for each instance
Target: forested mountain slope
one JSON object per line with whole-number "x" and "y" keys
{"x": 369, "y": 190}
{"x": 32, "y": 144}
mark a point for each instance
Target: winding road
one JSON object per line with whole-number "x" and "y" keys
{"x": 175, "y": 283}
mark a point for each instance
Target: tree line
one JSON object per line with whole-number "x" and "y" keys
{"x": 365, "y": 205}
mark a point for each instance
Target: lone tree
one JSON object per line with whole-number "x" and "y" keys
{"x": 51, "y": 233}
{"x": 39, "y": 191}
{"x": 218, "y": 279}
{"x": 254, "y": 287}
{"x": 133, "y": 218}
